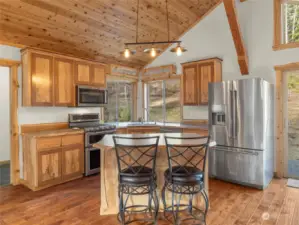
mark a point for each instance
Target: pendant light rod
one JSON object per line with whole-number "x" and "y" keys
{"x": 137, "y": 21}
{"x": 153, "y": 43}
{"x": 167, "y": 20}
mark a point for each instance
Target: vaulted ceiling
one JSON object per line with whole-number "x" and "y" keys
{"x": 96, "y": 29}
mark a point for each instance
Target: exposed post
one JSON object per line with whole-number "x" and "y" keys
{"x": 231, "y": 13}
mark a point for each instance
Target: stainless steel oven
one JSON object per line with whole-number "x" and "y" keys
{"x": 88, "y": 96}
{"x": 92, "y": 160}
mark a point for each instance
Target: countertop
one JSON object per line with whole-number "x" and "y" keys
{"x": 48, "y": 133}
{"x": 159, "y": 124}
{"x": 108, "y": 143}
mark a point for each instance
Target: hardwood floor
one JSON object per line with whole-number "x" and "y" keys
{"x": 77, "y": 203}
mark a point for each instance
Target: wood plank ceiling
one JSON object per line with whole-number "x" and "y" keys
{"x": 96, "y": 29}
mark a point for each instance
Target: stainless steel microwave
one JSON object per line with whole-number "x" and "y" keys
{"x": 88, "y": 96}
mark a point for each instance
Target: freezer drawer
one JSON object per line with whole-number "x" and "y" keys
{"x": 241, "y": 166}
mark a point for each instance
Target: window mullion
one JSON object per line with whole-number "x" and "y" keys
{"x": 164, "y": 101}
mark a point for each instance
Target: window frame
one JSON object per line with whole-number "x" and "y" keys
{"x": 145, "y": 112}
{"x": 278, "y": 42}
{"x": 133, "y": 100}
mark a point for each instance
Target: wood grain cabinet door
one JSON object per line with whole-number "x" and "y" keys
{"x": 64, "y": 89}
{"x": 190, "y": 85}
{"x": 98, "y": 76}
{"x": 205, "y": 76}
{"x": 41, "y": 80}
{"x": 72, "y": 161}
{"x": 49, "y": 167}
{"x": 82, "y": 73}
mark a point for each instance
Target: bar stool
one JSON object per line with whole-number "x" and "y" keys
{"x": 185, "y": 177}
{"x": 136, "y": 161}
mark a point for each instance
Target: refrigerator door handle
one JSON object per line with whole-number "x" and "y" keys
{"x": 235, "y": 114}
{"x": 232, "y": 110}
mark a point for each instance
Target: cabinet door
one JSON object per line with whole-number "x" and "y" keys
{"x": 49, "y": 167}
{"x": 190, "y": 84}
{"x": 72, "y": 161}
{"x": 64, "y": 90}
{"x": 41, "y": 80}
{"x": 98, "y": 76}
{"x": 83, "y": 73}
{"x": 205, "y": 75}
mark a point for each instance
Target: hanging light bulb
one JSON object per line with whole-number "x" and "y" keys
{"x": 153, "y": 52}
{"x": 127, "y": 52}
{"x": 178, "y": 50}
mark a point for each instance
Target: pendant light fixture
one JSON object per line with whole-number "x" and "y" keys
{"x": 127, "y": 52}
{"x": 153, "y": 51}
{"x": 178, "y": 50}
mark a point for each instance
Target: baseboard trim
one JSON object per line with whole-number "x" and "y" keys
{"x": 4, "y": 162}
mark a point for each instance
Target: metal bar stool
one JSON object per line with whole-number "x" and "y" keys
{"x": 136, "y": 160}
{"x": 185, "y": 177}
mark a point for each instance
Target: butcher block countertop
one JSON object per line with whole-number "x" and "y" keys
{"x": 52, "y": 133}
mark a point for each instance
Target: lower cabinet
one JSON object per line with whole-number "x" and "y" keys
{"x": 51, "y": 160}
{"x": 49, "y": 167}
{"x": 72, "y": 161}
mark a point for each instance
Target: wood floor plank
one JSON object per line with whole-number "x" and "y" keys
{"x": 78, "y": 203}
{"x": 288, "y": 208}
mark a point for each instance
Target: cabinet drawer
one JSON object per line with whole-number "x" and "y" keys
{"x": 48, "y": 142}
{"x": 72, "y": 139}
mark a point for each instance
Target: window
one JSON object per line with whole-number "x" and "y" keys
{"x": 162, "y": 101}
{"x": 290, "y": 12}
{"x": 120, "y": 103}
{"x": 286, "y": 24}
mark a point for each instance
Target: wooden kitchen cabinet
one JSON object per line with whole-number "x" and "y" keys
{"x": 98, "y": 76}
{"x": 72, "y": 162}
{"x": 190, "y": 76}
{"x": 64, "y": 82}
{"x": 50, "y": 79}
{"x": 49, "y": 167}
{"x": 52, "y": 159}
{"x": 82, "y": 73}
{"x": 196, "y": 77}
{"x": 41, "y": 80}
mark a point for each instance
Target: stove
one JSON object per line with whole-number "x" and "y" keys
{"x": 94, "y": 132}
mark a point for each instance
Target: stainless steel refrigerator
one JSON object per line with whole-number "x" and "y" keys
{"x": 241, "y": 121}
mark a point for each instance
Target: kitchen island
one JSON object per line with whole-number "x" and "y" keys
{"x": 109, "y": 171}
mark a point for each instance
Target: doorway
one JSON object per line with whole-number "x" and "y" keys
{"x": 292, "y": 123}
{"x": 5, "y": 126}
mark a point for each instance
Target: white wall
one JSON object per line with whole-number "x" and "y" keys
{"x": 212, "y": 38}
{"x": 4, "y": 114}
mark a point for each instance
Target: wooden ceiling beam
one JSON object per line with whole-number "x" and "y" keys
{"x": 232, "y": 17}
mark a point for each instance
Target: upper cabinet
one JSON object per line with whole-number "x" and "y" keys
{"x": 196, "y": 77}
{"x": 190, "y": 76}
{"x": 41, "y": 80}
{"x": 64, "y": 82}
{"x": 98, "y": 77}
{"x": 50, "y": 79}
{"x": 83, "y": 73}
